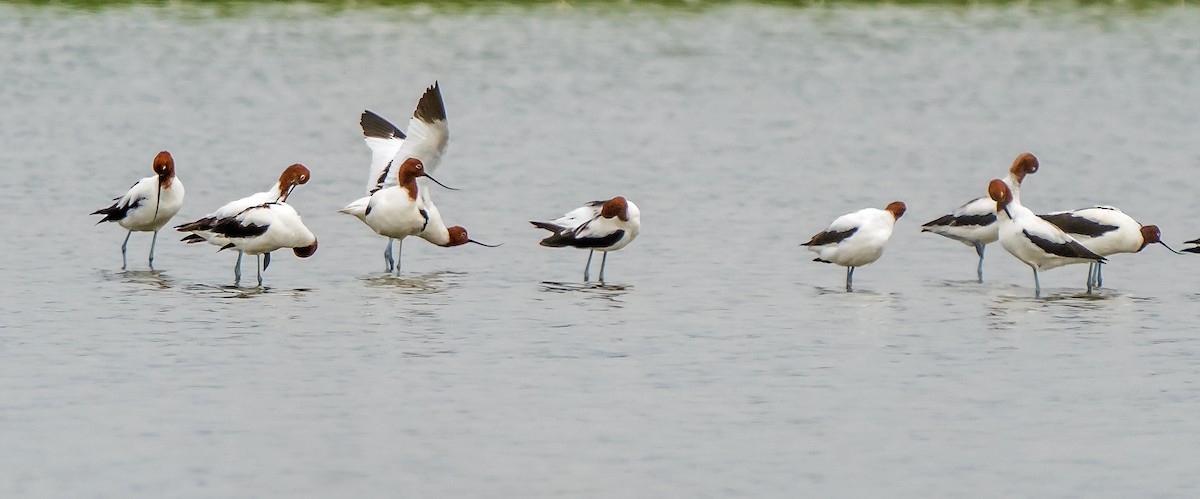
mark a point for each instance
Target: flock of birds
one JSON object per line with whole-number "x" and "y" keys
{"x": 1042, "y": 242}
{"x": 398, "y": 203}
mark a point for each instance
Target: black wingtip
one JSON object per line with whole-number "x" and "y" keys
{"x": 431, "y": 108}
{"x": 1191, "y": 250}
{"x": 374, "y": 125}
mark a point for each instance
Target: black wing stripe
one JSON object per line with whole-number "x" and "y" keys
{"x": 830, "y": 237}
{"x": 230, "y": 228}
{"x": 117, "y": 212}
{"x": 567, "y": 238}
{"x": 373, "y": 125}
{"x": 205, "y": 223}
{"x": 1069, "y": 249}
{"x": 963, "y": 221}
{"x": 1072, "y": 224}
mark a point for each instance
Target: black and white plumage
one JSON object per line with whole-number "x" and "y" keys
{"x": 426, "y": 142}
{"x": 605, "y": 226}
{"x": 1034, "y": 241}
{"x": 261, "y": 229}
{"x": 148, "y": 205}
{"x": 974, "y": 223}
{"x": 1105, "y": 230}
{"x": 856, "y": 239}
{"x": 203, "y": 229}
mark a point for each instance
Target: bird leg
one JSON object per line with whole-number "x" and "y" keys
{"x": 602, "y": 262}
{"x": 388, "y": 262}
{"x": 399, "y": 255}
{"x": 123, "y": 246}
{"x": 1037, "y": 285}
{"x": 237, "y": 269}
{"x": 979, "y": 270}
{"x": 849, "y": 279}
{"x": 588, "y": 266}
{"x": 153, "y": 240}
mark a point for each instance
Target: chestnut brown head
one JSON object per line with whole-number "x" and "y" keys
{"x": 1151, "y": 235}
{"x": 616, "y": 207}
{"x": 897, "y": 208}
{"x": 291, "y": 177}
{"x": 458, "y": 237}
{"x": 164, "y": 166}
{"x": 1025, "y": 164}
{"x": 412, "y": 168}
{"x": 1000, "y": 193}
{"x": 306, "y": 251}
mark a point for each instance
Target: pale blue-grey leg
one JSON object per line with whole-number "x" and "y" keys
{"x": 1099, "y": 275}
{"x": 1037, "y": 285}
{"x": 399, "y": 255}
{"x": 388, "y": 262}
{"x": 237, "y": 269}
{"x": 258, "y": 267}
{"x": 1091, "y": 279}
{"x": 153, "y": 240}
{"x": 123, "y": 246}
{"x": 979, "y": 270}
{"x": 603, "y": 260}
{"x": 588, "y": 266}
{"x": 849, "y": 279}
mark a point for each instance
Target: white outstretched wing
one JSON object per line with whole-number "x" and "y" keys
{"x": 384, "y": 140}
{"x": 428, "y": 134}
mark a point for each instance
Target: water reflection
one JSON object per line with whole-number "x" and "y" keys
{"x": 605, "y": 293}
{"x": 232, "y": 291}
{"x": 155, "y": 279}
{"x": 428, "y": 283}
{"x": 1065, "y": 309}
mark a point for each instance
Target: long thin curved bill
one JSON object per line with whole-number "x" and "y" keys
{"x": 439, "y": 183}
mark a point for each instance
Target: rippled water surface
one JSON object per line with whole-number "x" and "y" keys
{"x": 718, "y": 361}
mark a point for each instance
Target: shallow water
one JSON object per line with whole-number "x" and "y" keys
{"x": 717, "y": 361}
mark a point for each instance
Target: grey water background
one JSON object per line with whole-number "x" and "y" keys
{"x": 719, "y": 361}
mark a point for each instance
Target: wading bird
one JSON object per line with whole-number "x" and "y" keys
{"x": 1038, "y": 243}
{"x": 597, "y": 226}
{"x": 856, "y": 239}
{"x": 202, "y": 229}
{"x": 974, "y": 224}
{"x": 148, "y": 205}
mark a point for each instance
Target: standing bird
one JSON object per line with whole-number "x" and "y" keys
{"x": 1105, "y": 230}
{"x": 148, "y": 205}
{"x": 974, "y": 224}
{"x": 397, "y": 211}
{"x": 597, "y": 226}
{"x": 856, "y": 239}
{"x": 259, "y": 230}
{"x": 428, "y": 136}
{"x": 202, "y": 229}
{"x": 1038, "y": 243}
